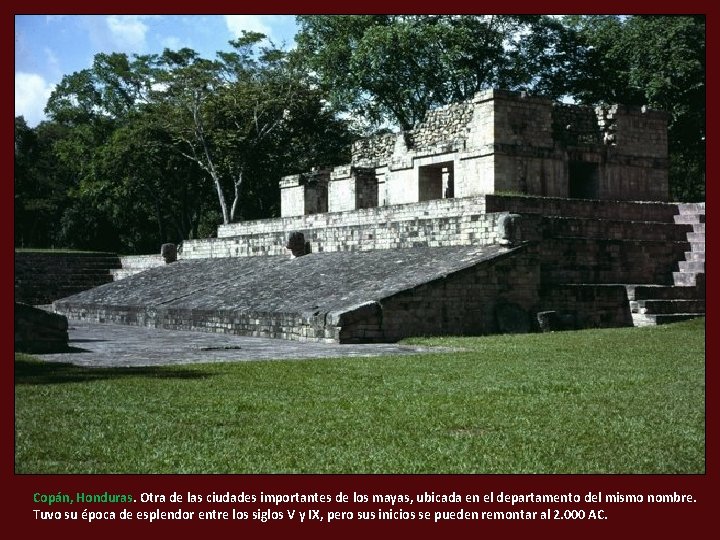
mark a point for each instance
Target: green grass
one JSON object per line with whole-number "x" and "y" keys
{"x": 596, "y": 401}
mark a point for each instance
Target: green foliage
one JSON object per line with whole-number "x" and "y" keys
{"x": 41, "y": 184}
{"x": 85, "y": 227}
{"x": 395, "y": 68}
{"x": 163, "y": 147}
{"x": 234, "y": 117}
{"x": 149, "y": 146}
{"x": 596, "y": 401}
{"x": 657, "y": 61}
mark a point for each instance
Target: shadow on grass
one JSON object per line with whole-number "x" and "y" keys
{"x": 31, "y": 371}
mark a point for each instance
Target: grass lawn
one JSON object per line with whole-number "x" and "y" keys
{"x": 628, "y": 400}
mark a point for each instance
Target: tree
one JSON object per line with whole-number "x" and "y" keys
{"x": 152, "y": 193}
{"x": 141, "y": 144}
{"x": 41, "y": 184}
{"x": 657, "y": 61}
{"x": 395, "y": 68}
{"x": 228, "y": 115}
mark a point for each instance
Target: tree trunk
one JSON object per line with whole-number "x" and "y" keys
{"x": 236, "y": 200}
{"x": 221, "y": 197}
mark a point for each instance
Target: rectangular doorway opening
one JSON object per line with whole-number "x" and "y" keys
{"x": 436, "y": 181}
{"x": 583, "y": 180}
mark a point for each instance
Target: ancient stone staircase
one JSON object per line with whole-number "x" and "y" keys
{"x": 41, "y": 277}
{"x": 134, "y": 264}
{"x": 685, "y": 299}
{"x": 595, "y": 264}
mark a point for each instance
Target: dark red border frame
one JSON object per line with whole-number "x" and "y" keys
{"x": 675, "y": 520}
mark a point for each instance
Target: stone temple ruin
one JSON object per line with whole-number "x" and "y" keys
{"x": 497, "y": 142}
{"x": 505, "y": 213}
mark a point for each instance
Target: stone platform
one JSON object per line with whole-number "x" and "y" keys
{"x": 113, "y": 345}
{"x": 451, "y": 270}
{"x": 335, "y": 297}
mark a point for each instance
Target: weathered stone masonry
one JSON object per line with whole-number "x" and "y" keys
{"x": 329, "y": 296}
{"x": 497, "y": 142}
{"x": 579, "y": 267}
{"x": 41, "y": 277}
{"x": 418, "y": 236}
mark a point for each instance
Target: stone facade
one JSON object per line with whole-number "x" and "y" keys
{"x": 414, "y": 237}
{"x": 436, "y": 267}
{"x": 497, "y": 142}
{"x": 41, "y": 277}
{"x": 341, "y": 296}
{"x": 442, "y": 223}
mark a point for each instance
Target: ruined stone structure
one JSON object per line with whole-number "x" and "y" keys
{"x": 41, "y": 277}
{"x": 418, "y": 236}
{"x": 497, "y": 142}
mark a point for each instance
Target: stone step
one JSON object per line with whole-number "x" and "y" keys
{"x": 652, "y": 307}
{"x": 695, "y": 256}
{"x": 691, "y": 266}
{"x": 663, "y": 292}
{"x": 691, "y": 219}
{"x": 697, "y": 246}
{"x": 65, "y": 278}
{"x": 691, "y": 208}
{"x": 122, "y": 273}
{"x": 696, "y": 237}
{"x": 699, "y": 228}
{"x": 141, "y": 261}
{"x": 607, "y": 229}
{"x": 652, "y": 320}
{"x": 688, "y": 279}
{"x": 91, "y": 266}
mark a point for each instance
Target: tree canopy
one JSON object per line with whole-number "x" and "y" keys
{"x": 392, "y": 69}
{"x": 160, "y": 148}
{"x": 395, "y": 68}
{"x": 657, "y": 61}
{"x": 157, "y": 148}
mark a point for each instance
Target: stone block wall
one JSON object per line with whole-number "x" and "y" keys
{"x": 575, "y": 125}
{"x": 637, "y": 157}
{"x": 132, "y": 264}
{"x": 453, "y": 230}
{"x": 464, "y": 303}
{"x": 523, "y": 170}
{"x": 444, "y": 126}
{"x": 521, "y": 121}
{"x": 475, "y": 174}
{"x": 588, "y": 306}
{"x": 373, "y": 151}
{"x": 635, "y": 179}
{"x": 635, "y": 131}
{"x": 502, "y": 141}
{"x": 42, "y": 277}
{"x": 449, "y": 222}
{"x": 267, "y": 324}
{"x": 352, "y": 188}
{"x": 582, "y": 260}
{"x": 292, "y": 196}
{"x": 554, "y": 206}
{"x": 304, "y": 194}
{"x": 608, "y": 229}
{"x": 369, "y": 216}
{"x": 481, "y": 128}
{"x": 402, "y": 186}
